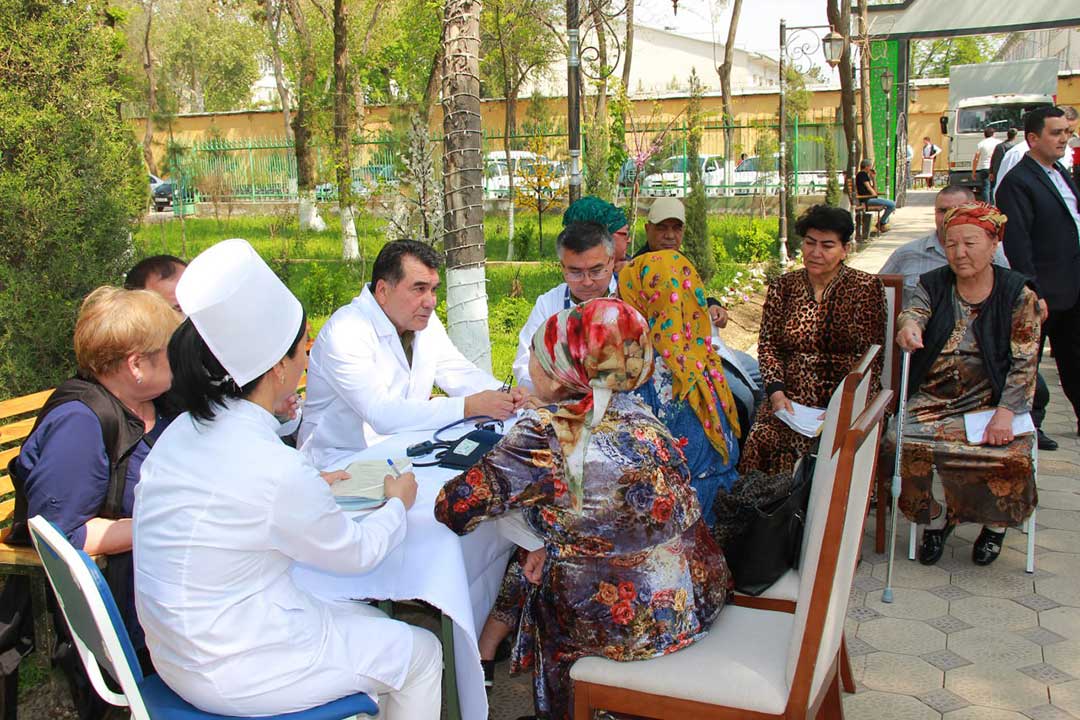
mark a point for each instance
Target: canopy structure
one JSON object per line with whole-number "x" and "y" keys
{"x": 920, "y": 19}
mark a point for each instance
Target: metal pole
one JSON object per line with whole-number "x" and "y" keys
{"x": 888, "y": 149}
{"x": 783, "y": 150}
{"x": 901, "y": 408}
{"x": 573, "y": 98}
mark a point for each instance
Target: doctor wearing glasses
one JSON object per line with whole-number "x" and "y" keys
{"x": 375, "y": 362}
{"x": 586, "y": 252}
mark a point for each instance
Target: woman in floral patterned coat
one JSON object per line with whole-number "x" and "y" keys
{"x": 630, "y": 572}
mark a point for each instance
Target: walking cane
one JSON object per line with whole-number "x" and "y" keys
{"x": 901, "y": 407}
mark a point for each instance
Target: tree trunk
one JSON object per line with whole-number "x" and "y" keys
{"x": 628, "y": 50}
{"x": 509, "y": 128}
{"x": 599, "y": 139}
{"x": 466, "y": 292}
{"x": 305, "y": 173}
{"x": 151, "y": 92}
{"x": 864, "y": 80}
{"x": 273, "y": 27}
{"x": 725, "y": 92}
{"x": 839, "y": 13}
{"x": 350, "y": 247}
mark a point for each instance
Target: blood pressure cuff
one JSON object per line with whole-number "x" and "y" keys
{"x": 467, "y": 450}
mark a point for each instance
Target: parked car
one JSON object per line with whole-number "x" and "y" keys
{"x": 154, "y": 182}
{"x": 672, "y": 177}
{"x": 752, "y": 177}
{"x": 328, "y": 192}
{"x": 165, "y": 192}
{"x": 497, "y": 174}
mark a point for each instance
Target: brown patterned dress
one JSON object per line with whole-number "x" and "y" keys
{"x": 985, "y": 484}
{"x": 810, "y": 346}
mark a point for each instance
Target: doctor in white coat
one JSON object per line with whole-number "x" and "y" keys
{"x": 376, "y": 360}
{"x": 224, "y": 509}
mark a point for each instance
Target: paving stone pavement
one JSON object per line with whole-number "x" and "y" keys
{"x": 959, "y": 642}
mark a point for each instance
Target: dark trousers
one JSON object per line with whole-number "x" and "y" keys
{"x": 1063, "y": 329}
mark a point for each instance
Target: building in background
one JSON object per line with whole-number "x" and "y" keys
{"x": 1062, "y": 43}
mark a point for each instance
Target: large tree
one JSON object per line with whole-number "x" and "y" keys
{"x": 343, "y": 128}
{"x": 839, "y": 14}
{"x": 304, "y": 121}
{"x": 724, "y": 71}
{"x": 72, "y": 180}
{"x": 513, "y": 51}
{"x": 466, "y": 294}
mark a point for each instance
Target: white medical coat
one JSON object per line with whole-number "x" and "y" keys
{"x": 551, "y": 302}
{"x": 361, "y": 388}
{"x": 222, "y": 511}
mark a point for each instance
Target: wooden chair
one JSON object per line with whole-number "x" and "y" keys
{"x": 773, "y": 665}
{"x": 848, "y": 400}
{"x": 861, "y": 213}
{"x": 927, "y": 172}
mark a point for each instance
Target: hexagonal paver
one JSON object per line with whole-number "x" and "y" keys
{"x": 907, "y": 574}
{"x": 909, "y": 637}
{"x": 973, "y": 712}
{"x": 987, "y": 645}
{"x": 904, "y": 674}
{"x": 950, "y": 592}
{"x": 1066, "y": 563}
{"x": 1067, "y": 697}
{"x": 996, "y": 686}
{"x": 1036, "y": 602}
{"x": 1064, "y": 655}
{"x": 1062, "y": 589}
{"x": 992, "y": 612}
{"x": 874, "y": 705}
{"x": 870, "y": 583}
{"x": 945, "y": 659}
{"x": 1046, "y": 673}
{"x": 947, "y": 624}
{"x": 1047, "y": 712}
{"x": 1058, "y": 519}
{"x": 863, "y": 614}
{"x": 910, "y": 604}
{"x": 1040, "y": 636}
{"x": 1058, "y": 540}
{"x": 990, "y": 582}
{"x": 1057, "y": 500}
{"x": 943, "y": 700}
{"x": 856, "y": 646}
{"x": 1065, "y": 621}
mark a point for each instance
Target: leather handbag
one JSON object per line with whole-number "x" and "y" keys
{"x": 772, "y": 542}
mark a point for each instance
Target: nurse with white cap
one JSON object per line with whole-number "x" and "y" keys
{"x": 224, "y": 509}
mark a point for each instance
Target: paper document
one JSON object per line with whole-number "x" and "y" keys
{"x": 975, "y": 425}
{"x": 366, "y": 479}
{"x": 804, "y": 420}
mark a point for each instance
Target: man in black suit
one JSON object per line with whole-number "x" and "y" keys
{"x": 1042, "y": 238}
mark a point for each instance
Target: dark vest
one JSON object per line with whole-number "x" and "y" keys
{"x": 121, "y": 431}
{"x": 992, "y": 325}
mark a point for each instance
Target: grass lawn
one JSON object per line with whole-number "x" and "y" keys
{"x": 310, "y": 263}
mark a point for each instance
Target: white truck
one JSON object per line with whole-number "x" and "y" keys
{"x": 994, "y": 95}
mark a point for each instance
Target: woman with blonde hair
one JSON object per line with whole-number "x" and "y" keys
{"x": 80, "y": 464}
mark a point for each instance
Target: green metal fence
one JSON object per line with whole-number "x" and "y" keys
{"x": 260, "y": 169}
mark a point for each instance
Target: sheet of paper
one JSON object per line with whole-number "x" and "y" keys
{"x": 804, "y": 420}
{"x": 366, "y": 478}
{"x": 975, "y": 425}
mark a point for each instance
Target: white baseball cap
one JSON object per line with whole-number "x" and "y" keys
{"x": 667, "y": 208}
{"x": 244, "y": 313}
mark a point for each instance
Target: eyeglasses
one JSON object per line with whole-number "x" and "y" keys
{"x": 593, "y": 273}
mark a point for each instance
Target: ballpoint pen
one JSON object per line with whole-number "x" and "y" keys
{"x": 507, "y": 383}
{"x": 393, "y": 468}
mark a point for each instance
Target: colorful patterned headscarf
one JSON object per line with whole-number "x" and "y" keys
{"x": 593, "y": 209}
{"x": 666, "y": 289}
{"x": 981, "y": 214}
{"x": 595, "y": 349}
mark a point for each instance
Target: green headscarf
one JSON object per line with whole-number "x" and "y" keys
{"x": 592, "y": 209}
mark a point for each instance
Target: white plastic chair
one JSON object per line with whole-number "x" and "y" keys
{"x": 102, "y": 641}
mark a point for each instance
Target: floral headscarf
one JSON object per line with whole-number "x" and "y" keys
{"x": 666, "y": 289}
{"x": 980, "y": 214}
{"x": 597, "y": 348}
{"x": 593, "y": 209}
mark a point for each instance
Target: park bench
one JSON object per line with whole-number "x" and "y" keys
{"x": 863, "y": 214}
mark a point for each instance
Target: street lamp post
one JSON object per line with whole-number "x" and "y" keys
{"x": 886, "y": 87}
{"x": 573, "y": 97}
{"x": 800, "y": 44}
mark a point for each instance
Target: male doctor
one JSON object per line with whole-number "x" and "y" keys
{"x": 375, "y": 361}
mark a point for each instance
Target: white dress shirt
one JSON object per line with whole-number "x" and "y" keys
{"x": 361, "y": 387}
{"x": 1015, "y": 154}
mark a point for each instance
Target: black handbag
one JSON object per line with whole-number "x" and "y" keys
{"x": 772, "y": 542}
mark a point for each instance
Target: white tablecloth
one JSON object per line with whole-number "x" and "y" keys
{"x": 458, "y": 575}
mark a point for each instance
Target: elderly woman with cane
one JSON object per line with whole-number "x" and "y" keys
{"x": 973, "y": 331}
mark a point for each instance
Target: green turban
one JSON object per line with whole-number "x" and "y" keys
{"x": 592, "y": 209}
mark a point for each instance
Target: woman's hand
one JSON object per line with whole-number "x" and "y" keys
{"x": 779, "y": 401}
{"x": 334, "y": 476}
{"x": 534, "y": 566}
{"x": 719, "y": 316}
{"x": 403, "y": 487}
{"x": 909, "y": 337}
{"x": 999, "y": 429}
{"x": 286, "y": 409}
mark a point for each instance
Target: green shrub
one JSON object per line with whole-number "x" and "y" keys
{"x": 72, "y": 182}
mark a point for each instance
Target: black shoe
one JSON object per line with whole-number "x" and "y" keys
{"x": 1046, "y": 442}
{"x": 987, "y": 546}
{"x": 933, "y": 544}
{"x": 489, "y": 673}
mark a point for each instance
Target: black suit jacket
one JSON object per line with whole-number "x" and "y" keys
{"x": 1041, "y": 239}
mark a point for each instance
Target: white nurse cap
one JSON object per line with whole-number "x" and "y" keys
{"x": 244, "y": 313}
